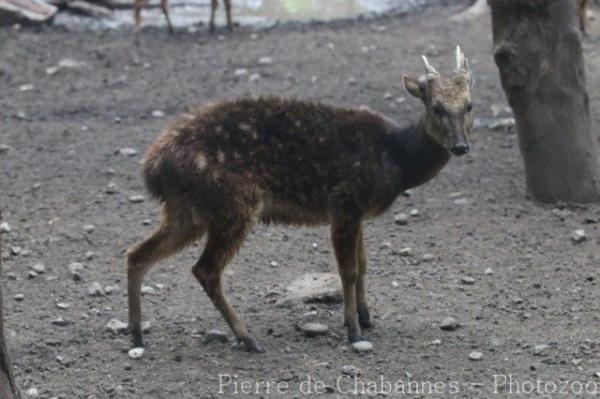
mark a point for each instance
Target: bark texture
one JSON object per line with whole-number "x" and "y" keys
{"x": 8, "y": 389}
{"x": 538, "y": 52}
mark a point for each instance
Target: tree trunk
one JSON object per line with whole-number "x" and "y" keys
{"x": 8, "y": 389}
{"x": 538, "y": 53}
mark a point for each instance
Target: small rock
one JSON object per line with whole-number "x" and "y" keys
{"x": 475, "y": 356}
{"x": 27, "y": 87}
{"x": 385, "y": 245}
{"x": 32, "y": 392}
{"x": 95, "y": 289}
{"x": 467, "y": 280}
{"x": 4, "y": 148}
{"x": 136, "y": 199}
{"x": 502, "y": 124}
{"x": 63, "y": 305}
{"x": 406, "y": 252}
{"x": 265, "y": 60}
{"x": 362, "y": 347}
{"x": 116, "y": 326}
{"x": 39, "y": 268}
{"x": 31, "y": 275}
{"x": 488, "y": 271}
{"x": 136, "y": 353}
{"x": 597, "y": 374}
{"x": 449, "y": 324}
{"x": 89, "y": 255}
{"x": 395, "y": 284}
{"x": 539, "y": 349}
{"x": 578, "y": 236}
{"x": 88, "y": 228}
{"x": 148, "y": 290}
{"x": 240, "y": 72}
{"x": 111, "y": 188}
{"x": 255, "y": 77}
{"x": 274, "y": 263}
{"x": 427, "y": 258}
{"x": 19, "y": 297}
{"x": 215, "y": 336}
{"x": 352, "y": 371}
{"x": 157, "y": 113}
{"x": 309, "y": 315}
{"x": 577, "y": 362}
{"x": 414, "y": 212}
{"x": 436, "y": 342}
{"x": 4, "y": 227}
{"x": 462, "y": 201}
{"x": 16, "y": 250}
{"x": 128, "y": 151}
{"x": 387, "y": 95}
{"x": 75, "y": 270}
{"x": 314, "y": 329}
{"x": 401, "y": 219}
{"x": 59, "y": 321}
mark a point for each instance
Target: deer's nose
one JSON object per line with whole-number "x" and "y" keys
{"x": 459, "y": 149}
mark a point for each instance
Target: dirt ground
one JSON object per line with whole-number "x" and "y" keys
{"x": 65, "y": 133}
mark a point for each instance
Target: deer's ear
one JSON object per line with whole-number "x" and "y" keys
{"x": 414, "y": 86}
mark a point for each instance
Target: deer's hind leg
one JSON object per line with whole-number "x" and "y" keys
{"x": 225, "y": 235}
{"x": 175, "y": 232}
{"x": 164, "y": 6}
{"x": 364, "y": 318}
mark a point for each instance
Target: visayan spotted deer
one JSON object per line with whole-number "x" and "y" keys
{"x": 228, "y": 165}
{"x": 164, "y": 5}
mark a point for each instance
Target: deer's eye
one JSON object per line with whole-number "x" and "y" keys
{"x": 469, "y": 107}
{"x": 438, "y": 110}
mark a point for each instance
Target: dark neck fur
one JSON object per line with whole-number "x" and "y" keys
{"x": 418, "y": 156}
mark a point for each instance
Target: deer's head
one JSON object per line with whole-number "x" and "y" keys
{"x": 448, "y": 115}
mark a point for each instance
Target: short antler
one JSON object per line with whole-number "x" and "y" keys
{"x": 462, "y": 63}
{"x": 429, "y": 68}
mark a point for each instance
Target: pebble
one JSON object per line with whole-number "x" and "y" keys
{"x": 95, "y": 289}
{"x": 414, "y": 212}
{"x": 467, "y": 280}
{"x": 128, "y": 151}
{"x": 4, "y": 148}
{"x": 401, "y": 219}
{"x": 352, "y": 371}
{"x": 406, "y": 251}
{"x": 265, "y": 60}
{"x": 16, "y": 250}
{"x": 488, "y": 271}
{"x": 33, "y": 392}
{"x": 89, "y": 255}
{"x": 215, "y": 336}
{"x": 39, "y": 268}
{"x": 395, "y": 284}
{"x": 157, "y": 113}
{"x": 136, "y": 353}
{"x": 475, "y": 356}
{"x": 63, "y": 305}
{"x": 4, "y": 227}
{"x": 241, "y": 72}
{"x": 449, "y": 324}
{"x": 75, "y": 270}
{"x": 255, "y": 77}
{"x": 436, "y": 342}
{"x": 362, "y": 347}
{"x": 314, "y": 329}
{"x": 427, "y": 258}
{"x": 88, "y": 228}
{"x": 19, "y": 297}
{"x": 136, "y": 199}
{"x": 578, "y": 236}
{"x": 116, "y": 326}
{"x": 59, "y": 321}
{"x": 538, "y": 349}
{"x": 31, "y": 275}
{"x": 111, "y": 188}
{"x": 148, "y": 290}
{"x": 462, "y": 201}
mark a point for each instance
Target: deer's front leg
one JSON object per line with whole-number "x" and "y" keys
{"x": 344, "y": 233}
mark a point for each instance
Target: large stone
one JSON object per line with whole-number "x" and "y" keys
{"x": 313, "y": 287}
{"x": 36, "y": 11}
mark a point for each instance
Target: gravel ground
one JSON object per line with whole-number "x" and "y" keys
{"x": 524, "y": 294}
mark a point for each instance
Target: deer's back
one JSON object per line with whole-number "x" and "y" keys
{"x": 291, "y": 156}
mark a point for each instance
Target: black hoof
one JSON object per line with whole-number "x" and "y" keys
{"x": 249, "y": 344}
{"x": 356, "y": 338}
